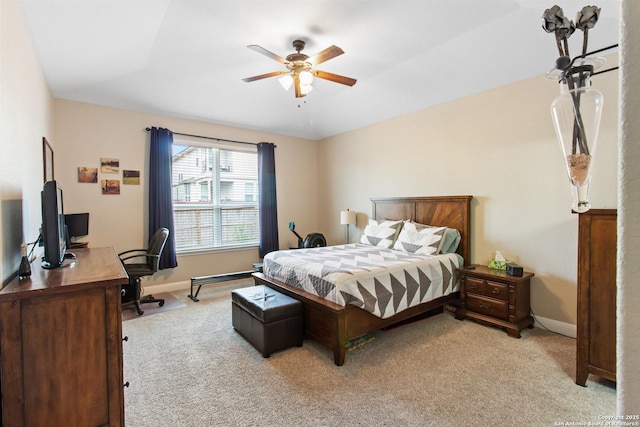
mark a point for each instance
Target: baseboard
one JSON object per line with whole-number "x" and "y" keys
{"x": 562, "y": 328}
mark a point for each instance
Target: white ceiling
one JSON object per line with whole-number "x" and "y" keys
{"x": 186, "y": 58}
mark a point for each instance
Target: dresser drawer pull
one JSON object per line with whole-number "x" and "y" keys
{"x": 496, "y": 290}
{"x": 126, "y": 384}
{"x": 473, "y": 286}
{"x": 485, "y": 306}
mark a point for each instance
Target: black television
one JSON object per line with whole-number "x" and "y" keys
{"x": 53, "y": 226}
{"x": 77, "y": 226}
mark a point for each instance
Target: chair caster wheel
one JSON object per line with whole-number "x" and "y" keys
{"x": 161, "y": 303}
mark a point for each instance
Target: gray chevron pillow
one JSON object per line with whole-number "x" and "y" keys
{"x": 381, "y": 233}
{"x": 420, "y": 239}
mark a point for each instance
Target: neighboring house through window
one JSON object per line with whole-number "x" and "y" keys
{"x": 215, "y": 188}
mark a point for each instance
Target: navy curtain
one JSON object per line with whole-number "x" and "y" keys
{"x": 267, "y": 200}
{"x": 160, "y": 199}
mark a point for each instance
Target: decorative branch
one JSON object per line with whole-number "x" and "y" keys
{"x": 585, "y": 20}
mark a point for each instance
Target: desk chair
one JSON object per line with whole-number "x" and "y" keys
{"x": 136, "y": 270}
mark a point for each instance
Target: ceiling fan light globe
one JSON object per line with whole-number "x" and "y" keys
{"x": 305, "y": 89}
{"x": 286, "y": 81}
{"x": 306, "y": 78}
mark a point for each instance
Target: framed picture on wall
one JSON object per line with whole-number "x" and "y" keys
{"x": 86, "y": 174}
{"x": 109, "y": 165}
{"x": 110, "y": 186}
{"x": 130, "y": 177}
{"x": 47, "y": 160}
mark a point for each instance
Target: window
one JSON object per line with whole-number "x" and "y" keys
{"x": 249, "y": 192}
{"x": 187, "y": 192}
{"x": 204, "y": 191}
{"x": 220, "y": 209}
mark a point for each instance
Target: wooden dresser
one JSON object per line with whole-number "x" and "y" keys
{"x": 596, "y": 334}
{"x": 495, "y": 298}
{"x": 61, "y": 344}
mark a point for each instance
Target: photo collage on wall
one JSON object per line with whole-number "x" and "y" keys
{"x": 108, "y": 165}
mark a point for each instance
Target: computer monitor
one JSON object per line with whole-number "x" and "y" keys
{"x": 77, "y": 225}
{"x": 53, "y": 227}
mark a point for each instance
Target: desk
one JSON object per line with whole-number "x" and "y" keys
{"x": 61, "y": 344}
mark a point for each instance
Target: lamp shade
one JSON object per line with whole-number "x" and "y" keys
{"x": 347, "y": 217}
{"x": 286, "y": 81}
{"x": 306, "y": 78}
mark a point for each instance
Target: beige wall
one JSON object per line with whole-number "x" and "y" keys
{"x": 26, "y": 115}
{"x": 498, "y": 146}
{"x": 85, "y": 133}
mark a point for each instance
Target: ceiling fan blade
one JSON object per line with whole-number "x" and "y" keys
{"x": 264, "y": 76}
{"x": 334, "y": 77}
{"x": 325, "y": 55}
{"x": 268, "y": 53}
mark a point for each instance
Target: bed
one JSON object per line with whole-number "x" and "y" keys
{"x": 333, "y": 324}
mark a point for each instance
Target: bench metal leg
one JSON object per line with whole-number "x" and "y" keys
{"x": 216, "y": 278}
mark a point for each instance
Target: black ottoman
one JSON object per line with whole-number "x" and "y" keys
{"x": 269, "y": 320}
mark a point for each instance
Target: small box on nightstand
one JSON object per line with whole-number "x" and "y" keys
{"x": 514, "y": 269}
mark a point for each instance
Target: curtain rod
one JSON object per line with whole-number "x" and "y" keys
{"x": 209, "y": 137}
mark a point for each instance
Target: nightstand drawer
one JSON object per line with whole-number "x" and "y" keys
{"x": 496, "y": 290}
{"x": 474, "y": 286}
{"x": 490, "y": 307}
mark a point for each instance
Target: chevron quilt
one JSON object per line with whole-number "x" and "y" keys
{"x": 381, "y": 281}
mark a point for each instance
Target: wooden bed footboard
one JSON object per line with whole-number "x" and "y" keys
{"x": 333, "y": 325}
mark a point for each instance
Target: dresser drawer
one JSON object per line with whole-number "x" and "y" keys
{"x": 490, "y": 307}
{"x": 496, "y": 290}
{"x": 474, "y": 286}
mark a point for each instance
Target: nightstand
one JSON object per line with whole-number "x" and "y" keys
{"x": 495, "y": 298}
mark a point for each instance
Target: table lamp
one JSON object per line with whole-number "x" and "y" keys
{"x": 347, "y": 218}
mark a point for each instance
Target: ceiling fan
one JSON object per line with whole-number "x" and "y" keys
{"x": 299, "y": 68}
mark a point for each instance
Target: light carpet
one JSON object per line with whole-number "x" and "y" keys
{"x": 189, "y": 367}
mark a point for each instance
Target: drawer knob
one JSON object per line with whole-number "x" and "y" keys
{"x": 473, "y": 286}
{"x": 126, "y": 338}
{"x": 496, "y": 290}
{"x": 126, "y": 384}
{"x": 485, "y": 306}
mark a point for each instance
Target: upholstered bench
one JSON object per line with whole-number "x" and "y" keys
{"x": 269, "y": 320}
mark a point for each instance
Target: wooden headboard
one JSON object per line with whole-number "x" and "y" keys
{"x": 449, "y": 211}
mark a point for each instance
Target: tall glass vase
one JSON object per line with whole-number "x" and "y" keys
{"x": 576, "y": 115}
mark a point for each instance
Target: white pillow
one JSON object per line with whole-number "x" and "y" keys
{"x": 381, "y": 233}
{"x": 420, "y": 239}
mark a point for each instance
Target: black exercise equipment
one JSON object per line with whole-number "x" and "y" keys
{"x": 313, "y": 240}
